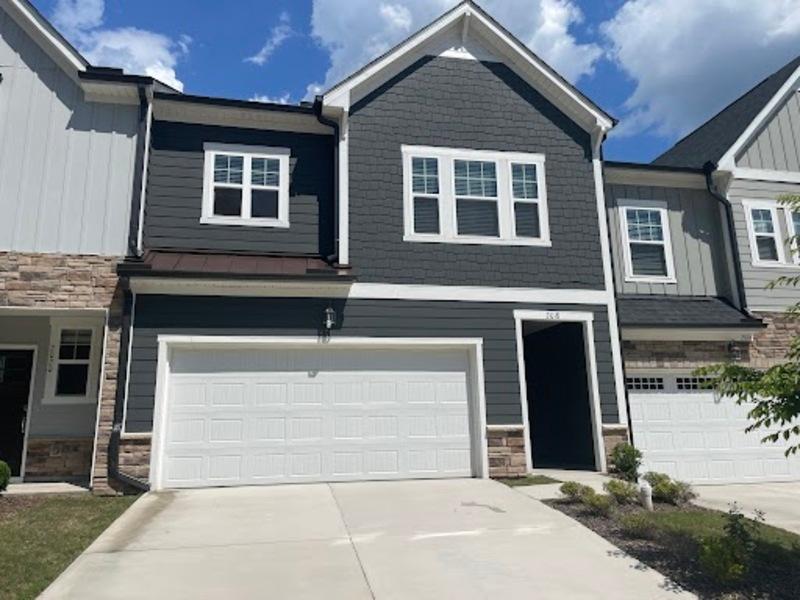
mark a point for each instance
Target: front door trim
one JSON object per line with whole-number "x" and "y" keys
{"x": 562, "y": 316}
{"x": 168, "y": 342}
{"x": 35, "y": 350}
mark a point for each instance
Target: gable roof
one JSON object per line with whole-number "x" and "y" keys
{"x": 717, "y": 136}
{"x": 471, "y": 17}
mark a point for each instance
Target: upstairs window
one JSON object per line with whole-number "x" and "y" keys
{"x": 648, "y": 251}
{"x": 766, "y": 241}
{"x": 245, "y": 185}
{"x": 474, "y": 197}
{"x": 793, "y": 220}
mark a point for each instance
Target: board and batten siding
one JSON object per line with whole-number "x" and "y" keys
{"x": 467, "y": 104}
{"x": 493, "y": 322}
{"x": 66, "y": 165}
{"x": 756, "y": 278}
{"x": 777, "y": 145}
{"x": 698, "y": 243}
{"x": 174, "y": 196}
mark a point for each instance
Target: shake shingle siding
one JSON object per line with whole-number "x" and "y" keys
{"x": 175, "y": 192}
{"x": 492, "y": 322}
{"x": 485, "y": 106}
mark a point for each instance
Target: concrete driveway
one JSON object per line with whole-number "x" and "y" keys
{"x": 780, "y": 502}
{"x": 416, "y": 539}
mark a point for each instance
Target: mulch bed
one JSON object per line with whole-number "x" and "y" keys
{"x": 775, "y": 573}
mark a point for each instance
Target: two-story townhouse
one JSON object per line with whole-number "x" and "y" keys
{"x": 70, "y": 138}
{"x": 410, "y": 278}
{"x": 697, "y": 236}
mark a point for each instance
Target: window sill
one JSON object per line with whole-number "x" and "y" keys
{"x": 477, "y": 241}
{"x": 635, "y": 279}
{"x": 273, "y": 223}
{"x": 775, "y": 265}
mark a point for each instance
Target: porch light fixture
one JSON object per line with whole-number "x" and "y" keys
{"x": 330, "y": 318}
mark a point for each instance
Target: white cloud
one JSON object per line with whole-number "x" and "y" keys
{"x": 356, "y": 31}
{"x": 135, "y": 50}
{"x": 689, "y": 59}
{"x": 285, "y": 98}
{"x": 279, "y": 34}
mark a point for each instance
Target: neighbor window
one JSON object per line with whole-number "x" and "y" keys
{"x": 645, "y": 231}
{"x": 764, "y": 231}
{"x": 246, "y": 186}
{"x": 73, "y": 361}
{"x": 474, "y": 197}
{"x": 793, "y": 221}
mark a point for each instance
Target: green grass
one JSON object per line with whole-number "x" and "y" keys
{"x": 528, "y": 480}
{"x": 39, "y": 540}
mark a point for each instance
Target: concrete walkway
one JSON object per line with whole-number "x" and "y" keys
{"x": 780, "y": 502}
{"x": 414, "y": 539}
{"x": 549, "y": 491}
{"x": 45, "y": 488}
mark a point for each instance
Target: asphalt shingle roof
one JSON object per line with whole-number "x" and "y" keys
{"x": 681, "y": 311}
{"x": 711, "y": 140}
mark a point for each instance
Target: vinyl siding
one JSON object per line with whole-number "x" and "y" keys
{"x": 696, "y": 233}
{"x": 493, "y": 322}
{"x": 467, "y": 104}
{"x": 175, "y": 192}
{"x": 757, "y": 278}
{"x": 777, "y": 145}
{"x": 66, "y": 165}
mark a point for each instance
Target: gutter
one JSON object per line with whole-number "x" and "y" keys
{"x": 139, "y": 168}
{"x": 119, "y": 401}
{"x": 708, "y": 170}
{"x": 317, "y": 108}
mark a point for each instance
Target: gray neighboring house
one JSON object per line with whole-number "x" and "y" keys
{"x": 704, "y": 226}
{"x": 70, "y": 134}
{"x": 409, "y": 278}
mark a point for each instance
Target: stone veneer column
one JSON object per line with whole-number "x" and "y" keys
{"x": 506, "y": 447}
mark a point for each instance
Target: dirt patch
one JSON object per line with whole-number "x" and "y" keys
{"x": 774, "y": 574}
{"x": 10, "y": 504}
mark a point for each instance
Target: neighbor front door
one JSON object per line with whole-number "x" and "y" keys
{"x": 15, "y": 381}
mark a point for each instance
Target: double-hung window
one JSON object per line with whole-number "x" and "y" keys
{"x": 647, "y": 244}
{"x": 73, "y": 362}
{"x": 474, "y": 197}
{"x": 793, "y": 221}
{"x": 766, "y": 241}
{"x": 246, "y": 185}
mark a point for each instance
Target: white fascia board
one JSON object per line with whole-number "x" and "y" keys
{"x": 653, "y": 177}
{"x": 728, "y": 160}
{"x": 766, "y": 175}
{"x": 696, "y": 334}
{"x": 528, "y": 66}
{"x": 365, "y": 291}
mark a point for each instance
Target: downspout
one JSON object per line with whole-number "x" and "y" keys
{"x": 119, "y": 400}
{"x": 333, "y": 258}
{"x": 139, "y": 168}
{"x": 708, "y": 170}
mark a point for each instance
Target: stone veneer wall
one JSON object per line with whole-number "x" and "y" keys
{"x": 770, "y": 345}
{"x": 506, "y": 451}
{"x": 76, "y": 282}
{"x": 67, "y": 458}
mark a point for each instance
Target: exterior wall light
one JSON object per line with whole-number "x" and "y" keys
{"x": 330, "y": 318}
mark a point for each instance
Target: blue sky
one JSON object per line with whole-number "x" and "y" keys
{"x": 660, "y": 66}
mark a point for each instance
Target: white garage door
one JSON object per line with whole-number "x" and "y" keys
{"x": 693, "y": 435}
{"x": 256, "y": 416}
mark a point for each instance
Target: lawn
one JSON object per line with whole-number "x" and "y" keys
{"x": 528, "y": 480}
{"x": 671, "y": 543}
{"x": 41, "y": 535}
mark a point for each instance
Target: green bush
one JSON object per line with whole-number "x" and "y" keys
{"x": 623, "y": 492}
{"x": 5, "y": 476}
{"x": 669, "y": 491}
{"x": 722, "y": 560}
{"x": 638, "y": 525}
{"x": 598, "y": 504}
{"x": 625, "y": 461}
{"x": 574, "y": 491}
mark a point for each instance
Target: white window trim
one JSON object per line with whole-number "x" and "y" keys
{"x": 447, "y": 201}
{"x": 772, "y": 207}
{"x": 249, "y": 152}
{"x": 57, "y": 325}
{"x": 793, "y": 232}
{"x": 661, "y": 207}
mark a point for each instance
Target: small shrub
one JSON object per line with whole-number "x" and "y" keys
{"x": 638, "y": 525}
{"x": 623, "y": 492}
{"x": 5, "y": 476}
{"x": 598, "y": 504}
{"x": 625, "y": 461}
{"x": 574, "y": 491}
{"x": 669, "y": 491}
{"x": 721, "y": 559}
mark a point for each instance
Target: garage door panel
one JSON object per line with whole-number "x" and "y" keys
{"x": 229, "y": 424}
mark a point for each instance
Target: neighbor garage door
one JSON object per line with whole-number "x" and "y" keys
{"x": 261, "y": 416}
{"x": 691, "y": 434}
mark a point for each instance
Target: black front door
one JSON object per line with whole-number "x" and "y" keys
{"x": 15, "y": 381}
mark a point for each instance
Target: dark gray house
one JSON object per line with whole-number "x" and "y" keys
{"x": 410, "y": 277}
